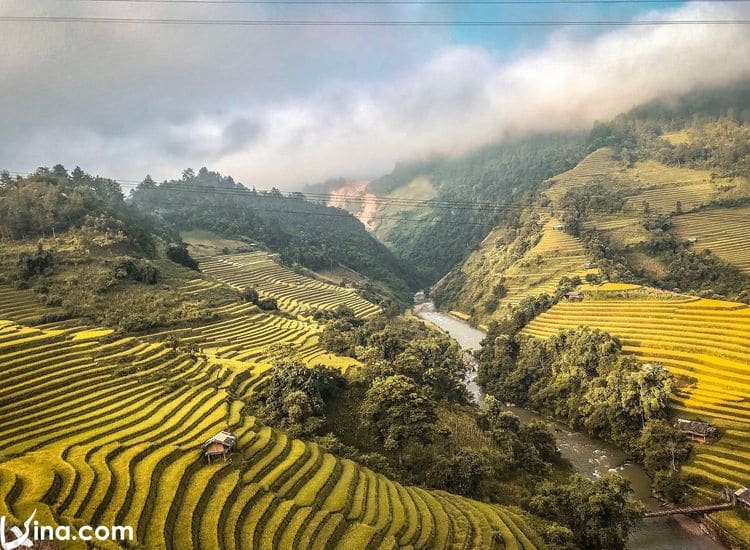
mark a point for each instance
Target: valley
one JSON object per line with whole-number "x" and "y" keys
{"x": 523, "y": 347}
{"x": 121, "y": 444}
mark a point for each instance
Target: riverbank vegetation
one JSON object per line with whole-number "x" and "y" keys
{"x": 405, "y": 399}
{"x": 581, "y": 377}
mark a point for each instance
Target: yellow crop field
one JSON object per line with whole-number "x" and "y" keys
{"x": 294, "y": 293}
{"x": 121, "y": 445}
{"x": 24, "y": 306}
{"x": 556, "y": 255}
{"x": 723, "y": 231}
{"x": 704, "y": 343}
{"x": 609, "y": 287}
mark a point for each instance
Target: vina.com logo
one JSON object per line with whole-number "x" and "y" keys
{"x": 22, "y": 537}
{"x": 34, "y": 531}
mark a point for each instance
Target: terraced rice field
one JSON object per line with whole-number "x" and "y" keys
{"x": 246, "y": 334}
{"x": 556, "y": 255}
{"x": 197, "y": 286}
{"x": 294, "y": 293}
{"x": 705, "y": 343}
{"x": 597, "y": 166}
{"x": 724, "y": 231}
{"x": 24, "y": 306}
{"x": 663, "y": 199}
{"x": 650, "y": 181}
{"x": 108, "y": 432}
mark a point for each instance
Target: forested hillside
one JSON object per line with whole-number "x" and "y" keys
{"x": 302, "y": 232}
{"x": 435, "y": 235}
{"x": 658, "y": 200}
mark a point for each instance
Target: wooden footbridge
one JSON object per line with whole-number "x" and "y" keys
{"x": 690, "y": 510}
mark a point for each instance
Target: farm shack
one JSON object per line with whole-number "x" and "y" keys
{"x": 576, "y": 296}
{"x": 219, "y": 446}
{"x": 692, "y": 240}
{"x": 589, "y": 265}
{"x": 702, "y": 432}
{"x": 557, "y": 227}
{"x": 742, "y": 497}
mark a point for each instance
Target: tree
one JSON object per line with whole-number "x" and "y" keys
{"x": 437, "y": 362}
{"x": 397, "y": 412}
{"x": 599, "y": 513}
{"x": 296, "y": 396}
{"x": 646, "y": 392}
{"x": 495, "y": 417}
{"x": 537, "y": 434}
{"x": 249, "y": 294}
{"x": 460, "y": 473}
{"x": 178, "y": 253}
{"x": 671, "y": 486}
{"x": 664, "y": 447}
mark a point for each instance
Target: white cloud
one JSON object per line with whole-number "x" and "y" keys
{"x": 280, "y": 107}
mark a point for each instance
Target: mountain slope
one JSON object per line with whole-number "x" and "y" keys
{"x": 433, "y": 237}
{"x": 122, "y": 446}
{"x": 302, "y": 232}
{"x": 659, "y": 200}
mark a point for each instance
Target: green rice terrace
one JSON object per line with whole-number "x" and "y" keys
{"x": 112, "y": 433}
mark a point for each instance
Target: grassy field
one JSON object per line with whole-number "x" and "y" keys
{"x": 723, "y": 231}
{"x": 120, "y": 445}
{"x": 203, "y": 243}
{"x": 704, "y": 343}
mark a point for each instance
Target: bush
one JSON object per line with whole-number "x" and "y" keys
{"x": 490, "y": 306}
{"x": 53, "y": 300}
{"x": 178, "y": 253}
{"x": 249, "y": 294}
{"x": 139, "y": 270}
{"x": 268, "y": 304}
{"x": 34, "y": 264}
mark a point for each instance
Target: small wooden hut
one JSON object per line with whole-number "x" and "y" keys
{"x": 576, "y": 296}
{"x": 702, "y": 432}
{"x": 219, "y": 446}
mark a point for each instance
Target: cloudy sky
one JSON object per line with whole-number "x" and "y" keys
{"x": 291, "y": 105}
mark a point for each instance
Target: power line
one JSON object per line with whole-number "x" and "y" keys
{"x": 397, "y": 2}
{"x": 476, "y": 205}
{"x": 363, "y": 22}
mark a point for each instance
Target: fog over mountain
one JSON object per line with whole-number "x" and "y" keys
{"x": 274, "y": 106}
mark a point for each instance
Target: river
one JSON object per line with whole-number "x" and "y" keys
{"x": 589, "y": 456}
